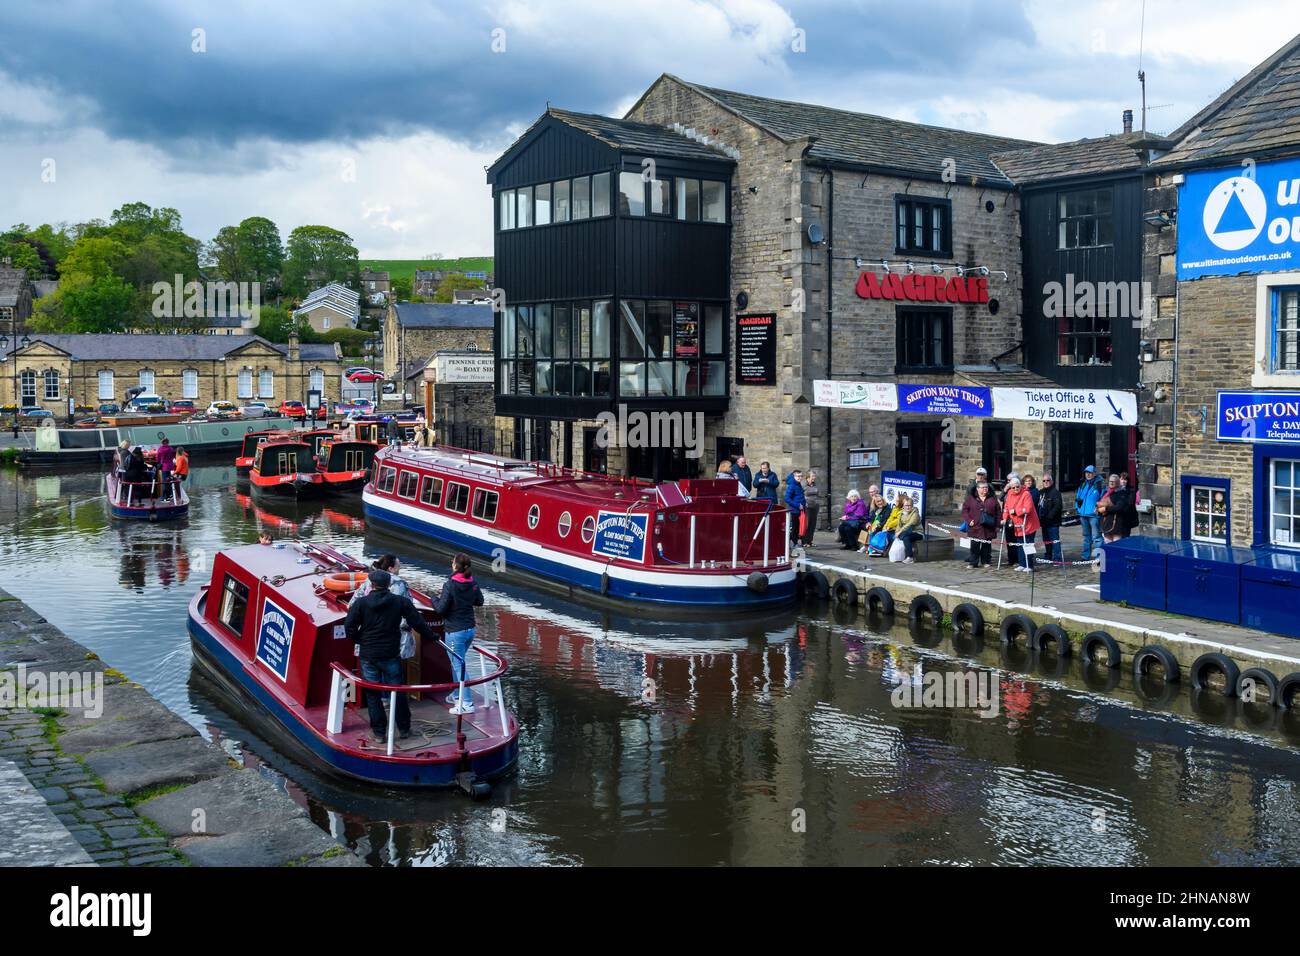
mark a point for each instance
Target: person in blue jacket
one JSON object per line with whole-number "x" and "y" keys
{"x": 795, "y": 502}
{"x": 765, "y": 484}
{"x": 1085, "y": 503}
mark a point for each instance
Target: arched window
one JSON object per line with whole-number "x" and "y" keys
{"x": 28, "y": 387}
{"x": 51, "y": 385}
{"x": 472, "y": 347}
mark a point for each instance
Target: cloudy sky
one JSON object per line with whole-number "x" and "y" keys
{"x": 379, "y": 118}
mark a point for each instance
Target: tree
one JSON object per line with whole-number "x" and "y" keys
{"x": 223, "y": 252}
{"x": 260, "y": 251}
{"x": 453, "y": 281}
{"x": 402, "y": 288}
{"x": 88, "y": 304}
{"x": 23, "y": 255}
{"x": 316, "y": 255}
{"x": 93, "y": 257}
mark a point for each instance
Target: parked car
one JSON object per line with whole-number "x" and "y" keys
{"x": 223, "y": 410}
{"x": 35, "y": 411}
{"x": 181, "y": 407}
{"x": 361, "y": 374}
{"x": 255, "y": 410}
{"x": 109, "y": 408}
{"x": 148, "y": 404}
{"x": 293, "y": 409}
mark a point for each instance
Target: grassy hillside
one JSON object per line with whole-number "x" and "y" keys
{"x": 399, "y": 268}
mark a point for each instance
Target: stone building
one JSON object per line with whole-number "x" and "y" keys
{"x": 376, "y": 286}
{"x": 332, "y": 306}
{"x": 15, "y": 299}
{"x": 1221, "y": 370}
{"x": 849, "y": 249}
{"x": 425, "y": 282}
{"x": 413, "y": 331}
{"x": 47, "y": 370}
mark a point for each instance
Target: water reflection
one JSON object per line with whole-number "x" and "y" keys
{"x": 775, "y": 741}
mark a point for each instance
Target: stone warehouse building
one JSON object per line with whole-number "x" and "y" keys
{"x": 15, "y": 299}
{"x": 413, "y": 331}
{"x": 49, "y": 370}
{"x": 1220, "y": 459}
{"x": 722, "y": 253}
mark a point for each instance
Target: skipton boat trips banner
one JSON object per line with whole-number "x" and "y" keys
{"x": 620, "y": 535}
{"x": 275, "y": 638}
{"x": 1259, "y": 417}
{"x": 1095, "y": 406}
{"x": 975, "y": 401}
{"x": 1239, "y": 219}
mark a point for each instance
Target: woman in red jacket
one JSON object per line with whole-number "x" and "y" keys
{"x": 983, "y": 517}
{"x": 1022, "y": 520}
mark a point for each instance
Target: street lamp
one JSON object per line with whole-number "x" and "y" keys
{"x": 4, "y": 348}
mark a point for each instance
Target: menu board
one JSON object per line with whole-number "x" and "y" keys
{"x": 686, "y": 329}
{"x": 756, "y": 349}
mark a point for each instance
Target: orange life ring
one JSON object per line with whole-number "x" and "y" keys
{"x": 344, "y": 581}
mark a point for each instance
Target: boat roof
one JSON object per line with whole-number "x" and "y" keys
{"x": 290, "y": 569}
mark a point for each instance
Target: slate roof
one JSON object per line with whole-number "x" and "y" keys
{"x": 44, "y": 287}
{"x": 631, "y": 136}
{"x": 1008, "y": 376}
{"x": 862, "y": 140}
{"x": 443, "y": 315}
{"x": 109, "y": 347}
{"x": 12, "y": 284}
{"x": 1259, "y": 114}
{"x": 1081, "y": 157}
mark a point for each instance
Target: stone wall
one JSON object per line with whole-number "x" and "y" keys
{"x": 1157, "y": 397}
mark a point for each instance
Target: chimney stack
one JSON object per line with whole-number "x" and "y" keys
{"x": 294, "y": 354}
{"x": 1128, "y": 121}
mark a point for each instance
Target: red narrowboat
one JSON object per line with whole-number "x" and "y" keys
{"x": 316, "y": 437}
{"x": 152, "y": 499}
{"x": 690, "y": 543}
{"x": 285, "y": 467}
{"x": 343, "y": 464}
{"x": 248, "y": 449}
{"x": 269, "y": 629}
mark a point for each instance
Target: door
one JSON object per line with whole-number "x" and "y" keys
{"x": 997, "y": 451}
{"x": 595, "y": 459}
{"x": 1076, "y": 449}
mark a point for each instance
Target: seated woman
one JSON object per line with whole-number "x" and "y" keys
{"x": 878, "y": 518}
{"x": 854, "y": 520}
{"x": 909, "y": 526}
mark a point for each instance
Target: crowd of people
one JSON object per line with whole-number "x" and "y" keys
{"x": 1027, "y": 507}
{"x": 157, "y": 478}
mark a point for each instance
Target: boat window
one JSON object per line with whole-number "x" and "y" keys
{"x": 485, "y": 505}
{"x": 354, "y": 459}
{"x": 566, "y": 522}
{"x": 387, "y": 476}
{"x": 588, "y": 529}
{"x": 457, "y": 498}
{"x": 234, "y": 604}
{"x": 406, "y": 485}
{"x": 534, "y": 516}
{"x": 431, "y": 493}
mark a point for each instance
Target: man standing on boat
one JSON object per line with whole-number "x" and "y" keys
{"x": 374, "y": 622}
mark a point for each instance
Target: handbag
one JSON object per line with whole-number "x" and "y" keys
{"x": 880, "y": 541}
{"x": 803, "y": 523}
{"x": 987, "y": 520}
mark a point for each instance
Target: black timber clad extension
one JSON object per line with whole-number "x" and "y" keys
{"x": 1044, "y": 262}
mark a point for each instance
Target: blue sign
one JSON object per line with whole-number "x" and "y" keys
{"x": 620, "y": 535}
{"x": 1259, "y": 417}
{"x": 275, "y": 638}
{"x": 945, "y": 400}
{"x": 1239, "y": 219}
{"x": 894, "y": 483}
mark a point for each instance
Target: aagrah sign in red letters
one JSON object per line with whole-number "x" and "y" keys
{"x": 922, "y": 288}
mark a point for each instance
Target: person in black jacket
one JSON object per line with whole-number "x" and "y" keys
{"x": 1049, "y": 515}
{"x": 374, "y": 622}
{"x": 460, "y": 595}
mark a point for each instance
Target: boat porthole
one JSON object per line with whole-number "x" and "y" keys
{"x": 566, "y": 522}
{"x": 588, "y": 529}
{"x": 225, "y": 431}
{"x": 162, "y": 435}
{"x": 534, "y": 516}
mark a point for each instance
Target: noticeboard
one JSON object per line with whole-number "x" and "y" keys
{"x": 756, "y": 349}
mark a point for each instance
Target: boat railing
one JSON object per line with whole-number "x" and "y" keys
{"x": 751, "y": 542}
{"x": 155, "y": 485}
{"x": 342, "y": 678}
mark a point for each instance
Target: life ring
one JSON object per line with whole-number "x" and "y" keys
{"x": 846, "y": 592}
{"x": 967, "y": 617}
{"x": 1287, "y": 688}
{"x": 1155, "y": 654}
{"x": 1054, "y": 633}
{"x": 814, "y": 586}
{"x": 922, "y": 605}
{"x": 1015, "y": 624}
{"x": 879, "y": 601}
{"x": 1095, "y": 639}
{"x": 345, "y": 582}
{"x": 1249, "y": 682}
{"x": 1207, "y": 664}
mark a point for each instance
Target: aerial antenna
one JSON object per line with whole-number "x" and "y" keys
{"x": 1142, "y": 74}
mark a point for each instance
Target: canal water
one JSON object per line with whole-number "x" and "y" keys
{"x": 780, "y": 741}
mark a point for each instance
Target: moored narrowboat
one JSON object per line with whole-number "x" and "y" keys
{"x": 285, "y": 467}
{"x": 685, "y": 544}
{"x": 248, "y": 450}
{"x": 269, "y": 629}
{"x": 344, "y": 464}
{"x": 151, "y": 499}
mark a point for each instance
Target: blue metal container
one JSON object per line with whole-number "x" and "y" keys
{"x": 1204, "y": 580}
{"x": 1133, "y": 571}
{"x": 1270, "y": 591}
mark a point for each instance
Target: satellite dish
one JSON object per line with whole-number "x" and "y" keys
{"x": 815, "y": 233}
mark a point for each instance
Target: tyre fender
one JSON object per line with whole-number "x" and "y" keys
{"x": 879, "y": 600}
{"x": 846, "y": 592}
{"x": 923, "y": 605}
{"x": 1014, "y": 625}
{"x": 967, "y": 617}
{"x": 1054, "y": 633}
{"x": 1155, "y": 654}
{"x": 1251, "y": 679}
{"x": 1207, "y": 664}
{"x": 1098, "y": 641}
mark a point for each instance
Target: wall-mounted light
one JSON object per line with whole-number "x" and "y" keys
{"x": 911, "y": 269}
{"x": 884, "y": 264}
{"x": 936, "y": 268}
{"x": 858, "y": 263}
{"x": 1161, "y": 220}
